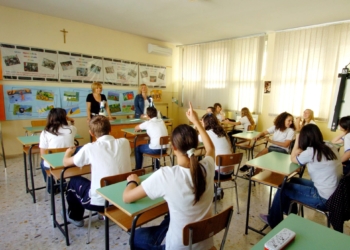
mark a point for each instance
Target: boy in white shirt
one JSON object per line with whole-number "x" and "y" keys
{"x": 155, "y": 129}
{"x": 107, "y": 156}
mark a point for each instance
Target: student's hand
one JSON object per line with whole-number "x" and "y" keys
{"x": 110, "y": 118}
{"x": 192, "y": 115}
{"x": 298, "y": 119}
{"x": 133, "y": 177}
{"x": 70, "y": 151}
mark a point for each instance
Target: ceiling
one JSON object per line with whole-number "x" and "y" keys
{"x": 192, "y": 21}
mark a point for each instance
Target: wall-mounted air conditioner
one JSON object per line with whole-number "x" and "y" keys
{"x": 155, "y": 49}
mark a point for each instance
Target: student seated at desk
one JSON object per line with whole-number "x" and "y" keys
{"x": 107, "y": 156}
{"x": 155, "y": 129}
{"x": 283, "y": 134}
{"x": 187, "y": 187}
{"x": 325, "y": 170}
{"x": 57, "y": 134}
{"x": 218, "y": 112}
{"x": 344, "y": 138}
{"x": 219, "y": 138}
{"x": 308, "y": 118}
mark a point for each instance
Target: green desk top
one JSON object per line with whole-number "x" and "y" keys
{"x": 114, "y": 194}
{"x": 133, "y": 132}
{"x": 34, "y": 129}
{"x": 55, "y": 160}
{"x": 35, "y": 139}
{"x": 248, "y": 135}
{"x": 130, "y": 121}
{"x": 275, "y": 162}
{"x": 308, "y": 235}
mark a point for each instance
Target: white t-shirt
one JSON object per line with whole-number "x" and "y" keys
{"x": 279, "y": 136}
{"x": 346, "y": 140}
{"x": 146, "y": 106}
{"x": 245, "y": 123}
{"x": 220, "y": 116}
{"x": 325, "y": 174}
{"x": 64, "y": 139}
{"x": 177, "y": 190}
{"x": 107, "y": 156}
{"x": 155, "y": 129}
{"x": 221, "y": 145}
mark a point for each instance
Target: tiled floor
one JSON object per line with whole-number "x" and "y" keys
{"x": 25, "y": 225}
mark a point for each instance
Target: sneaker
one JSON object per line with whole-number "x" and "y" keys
{"x": 245, "y": 168}
{"x": 263, "y": 218}
{"x": 78, "y": 223}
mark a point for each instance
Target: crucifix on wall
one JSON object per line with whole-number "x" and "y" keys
{"x": 64, "y": 34}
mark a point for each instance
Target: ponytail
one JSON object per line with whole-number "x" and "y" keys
{"x": 198, "y": 174}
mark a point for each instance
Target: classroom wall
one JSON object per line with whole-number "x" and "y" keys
{"x": 36, "y": 30}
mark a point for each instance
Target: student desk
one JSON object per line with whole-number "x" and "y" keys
{"x": 308, "y": 235}
{"x": 59, "y": 172}
{"x": 129, "y": 216}
{"x": 278, "y": 167}
{"x": 247, "y": 136}
{"x": 29, "y": 143}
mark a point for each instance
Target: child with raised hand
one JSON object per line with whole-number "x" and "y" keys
{"x": 57, "y": 134}
{"x": 187, "y": 187}
{"x": 344, "y": 138}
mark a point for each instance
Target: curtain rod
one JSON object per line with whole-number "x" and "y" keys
{"x": 220, "y": 40}
{"x": 314, "y": 26}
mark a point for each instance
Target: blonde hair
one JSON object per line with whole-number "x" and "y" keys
{"x": 311, "y": 117}
{"x": 245, "y": 112}
{"x": 140, "y": 88}
{"x": 96, "y": 85}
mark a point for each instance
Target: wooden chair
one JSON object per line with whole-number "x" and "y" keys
{"x": 38, "y": 123}
{"x": 228, "y": 161}
{"x": 109, "y": 180}
{"x": 201, "y": 230}
{"x": 164, "y": 142}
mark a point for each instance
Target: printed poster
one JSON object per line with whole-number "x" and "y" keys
{"x": 119, "y": 72}
{"x": 153, "y": 76}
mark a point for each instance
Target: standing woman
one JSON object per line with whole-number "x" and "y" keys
{"x": 142, "y": 102}
{"x": 325, "y": 171}
{"x": 187, "y": 187}
{"x": 93, "y": 102}
{"x": 344, "y": 138}
{"x": 308, "y": 118}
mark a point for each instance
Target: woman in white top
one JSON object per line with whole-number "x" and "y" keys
{"x": 308, "y": 118}
{"x": 344, "y": 138}
{"x": 57, "y": 134}
{"x": 219, "y": 138}
{"x": 325, "y": 171}
{"x": 187, "y": 187}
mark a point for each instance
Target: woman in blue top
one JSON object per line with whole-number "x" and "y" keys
{"x": 142, "y": 102}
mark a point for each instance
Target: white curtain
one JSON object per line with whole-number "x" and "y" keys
{"x": 228, "y": 72}
{"x": 305, "y": 68}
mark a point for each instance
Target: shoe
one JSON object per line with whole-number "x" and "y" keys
{"x": 245, "y": 168}
{"x": 263, "y": 218}
{"x": 101, "y": 217}
{"x": 246, "y": 176}
{"x": 78, "y": 223}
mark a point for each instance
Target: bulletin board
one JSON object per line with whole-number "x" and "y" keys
{"x": 23, "y": 102}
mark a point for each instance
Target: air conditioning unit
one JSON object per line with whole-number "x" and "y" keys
{"x": 155, "y": 49}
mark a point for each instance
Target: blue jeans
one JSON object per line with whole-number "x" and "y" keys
{"x": 298, "y": 189}
{"x": 346, "y": 168}
{"x": 152, "y": 237}
{"x": 277, "y": 149}
{"x": 144, "y": 148}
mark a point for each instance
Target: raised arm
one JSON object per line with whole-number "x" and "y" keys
{"x": 88, "y": 111}
{"x": 208, "y": 144}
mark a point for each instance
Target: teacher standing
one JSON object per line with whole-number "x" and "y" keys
{"x": 93, "y": 102}
{"x": 142, "y": 102}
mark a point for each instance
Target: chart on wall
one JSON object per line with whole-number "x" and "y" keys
{"x": 23, "y": 102}
{"x": 118, "y": 72}
{"x": 24, "y": 63}
{"x": 75, "y": 67}
{"x": 153, "y": 76}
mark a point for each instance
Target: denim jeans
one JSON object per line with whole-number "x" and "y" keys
{"x": 277, "y": 149}
{"x": 298, "y": 189}
{"x": 144, "y": 148}
{"x": 78, "y": 198}
{"x": 151, "y": 237}
{"x": 346, "y": 167}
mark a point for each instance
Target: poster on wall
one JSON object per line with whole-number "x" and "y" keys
{"x": 121, "y": 101}
{"x": 22, "y": 102}
{"x": 152, "y": 76}
{"x": 25, "y": 63}
{"x": 118, "y": 72}
{"x": 75, "y": 67}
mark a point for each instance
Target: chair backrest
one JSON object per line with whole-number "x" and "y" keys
{"x": 109, "y": 180}
{"x": 291, "y": 145}
{"x": 251, "y": 127}
{"x": 38, "y": 123}
{"x": 228, "y": 160}
{"x": 130, "y": 116}
{"x": 164, "y": 140}
{"x": 201, "y": 230}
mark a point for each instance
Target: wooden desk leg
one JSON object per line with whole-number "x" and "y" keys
{"x": 132, "y": 231}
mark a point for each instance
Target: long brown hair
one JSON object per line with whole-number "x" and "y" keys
{"x": 184, "y": 138}
{"x": 211, "y": 122}
{"x": 57, "y": 118}
{"x": 245, "y": 112}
